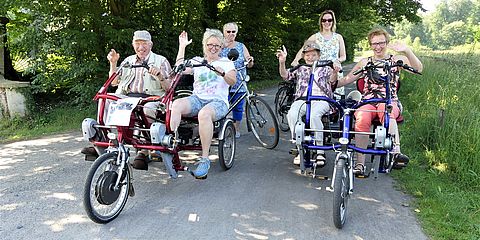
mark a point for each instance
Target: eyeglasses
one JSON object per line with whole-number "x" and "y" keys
{"x": 378, "y": 44}
{"x": 231, "y": 31}
{"x": 213, "y": 46}
{"x": 327, "y": 20}
{"x": 141, "y": 43}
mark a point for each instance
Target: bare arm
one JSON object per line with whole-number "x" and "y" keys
{"x": 350, "y": 77}
{"x": 182, "y": 44}
{"x": 231, "y": 77}
{"x": 165, "y": 80}
{"x": 342, "y": 54}
{"x": 113, "y": 57}
{"x": 411, "y": 59}
{"x": 282, "y": 57}
{"x": 247, "y": 56}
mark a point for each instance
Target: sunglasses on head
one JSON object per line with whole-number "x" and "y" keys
{"x": 233, "y": 31}
{"x": 327, "y": 20}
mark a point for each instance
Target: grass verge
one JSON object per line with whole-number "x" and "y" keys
{"x": 56, "y": 120}
{"x": 442, "y": 136}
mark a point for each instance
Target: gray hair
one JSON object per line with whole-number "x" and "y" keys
{"x": 233, "y": 24}
{"x": 212, "y": 33}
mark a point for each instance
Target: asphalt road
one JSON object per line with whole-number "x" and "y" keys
{"x": 262, "y": 197}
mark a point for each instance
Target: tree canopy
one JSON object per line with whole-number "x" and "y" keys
{"x": 66, "y": 41}
{"x": 453, "y": 23}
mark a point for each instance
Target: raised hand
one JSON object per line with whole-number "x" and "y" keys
{"x": 398, "y": 46}
{"x": 282, "y": 54}
{"x": 113, "y": 56}
{"x": 183, "y": 39}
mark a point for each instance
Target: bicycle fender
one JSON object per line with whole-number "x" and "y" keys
{"x": 221, "y": 134}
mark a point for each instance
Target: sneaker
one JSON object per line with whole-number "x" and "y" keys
{"x": 359, "y": 169}
{"x": 202, "y": 168}
{"x": 140, "y": 162}
{"x": 296, "y": 160}
{"x": 89, "y": 151}
{"x": 237, "y": 135}
{"x": 400, "y": 160}
{"x": 320, "y": 159}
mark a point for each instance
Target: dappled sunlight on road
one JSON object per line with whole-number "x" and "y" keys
{"x": 62, "y": 196}
{"x": 62, "y": 223}
{"x": 10, "y": 207}
{"x": 249, "y": 231}
{"x": 305, "y": 205}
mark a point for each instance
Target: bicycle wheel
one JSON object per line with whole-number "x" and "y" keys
{"x": 226, "y": 147}
{"x": 262, "y": 122}
{"x": 102, "y": 202}
{"x": 281, "y": 108}
{"x": 340, "y": 193}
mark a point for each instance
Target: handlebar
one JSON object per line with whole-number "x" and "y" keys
{"x": 129, "y": 65}
{"x": 188, "y": 64}
{"x": 318, "y": 63}
{"x": 385, "y": 64}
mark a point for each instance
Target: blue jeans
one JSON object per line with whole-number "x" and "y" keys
{"x": 237, "y": 112}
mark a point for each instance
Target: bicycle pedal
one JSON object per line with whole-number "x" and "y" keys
{"x": 90, "y": 158}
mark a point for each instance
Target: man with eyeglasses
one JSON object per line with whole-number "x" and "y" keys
{"x": 379, "y": 43}
{"x": 140, "y": 82}
{"x": 230, "y": 31}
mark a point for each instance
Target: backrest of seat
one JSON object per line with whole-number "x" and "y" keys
{"x": 184, "y": 87}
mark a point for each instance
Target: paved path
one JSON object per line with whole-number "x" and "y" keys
{"x": 262, "y": 197}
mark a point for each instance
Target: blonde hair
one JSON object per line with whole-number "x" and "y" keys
{"x": 334, "y": 23}
{"x": 378, "y": 32}
{"x": 209, "y": 33}
{"x": 233, "y": 24}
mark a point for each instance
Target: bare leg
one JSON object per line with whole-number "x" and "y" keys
{"x": 205, "y": 121}
{"x": 237, "y": 126}
{"x": 179, "y": 107}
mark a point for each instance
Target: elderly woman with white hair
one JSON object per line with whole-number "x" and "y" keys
{"x": 230, "y": 31}
{"x": 209, "y": 100}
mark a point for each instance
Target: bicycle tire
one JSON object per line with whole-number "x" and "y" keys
{"x": 227, "y": 157}
{"x": 262, "y": 122}
{"x": 281, "y": 107}
{"x": 340, "y": 193}
{"x": 98, "y": 195}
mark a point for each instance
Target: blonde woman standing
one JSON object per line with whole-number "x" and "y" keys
{"x": 332, "y": 46}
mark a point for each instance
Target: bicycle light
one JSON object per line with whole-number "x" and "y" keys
{"x": 343, "y": 141}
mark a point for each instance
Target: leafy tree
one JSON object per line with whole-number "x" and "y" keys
{"x": 67, "y": 40}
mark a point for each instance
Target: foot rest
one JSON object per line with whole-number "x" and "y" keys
{"x": 90, "y": 158}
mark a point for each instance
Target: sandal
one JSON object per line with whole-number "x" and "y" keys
{"x": 320, "y": 159}
{"x": 400, "y": 160}
{"x": 359, "y": 169}
{"x": 140, "y": 162}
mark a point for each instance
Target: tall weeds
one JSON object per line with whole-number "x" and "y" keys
{"x": 442, "y": 130}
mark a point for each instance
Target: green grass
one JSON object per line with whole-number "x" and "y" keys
{"x": 442, "y": 136}
{"x": 41, "y": 123}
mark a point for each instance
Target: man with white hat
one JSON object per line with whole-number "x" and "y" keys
{"x": 140, "y": 82}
